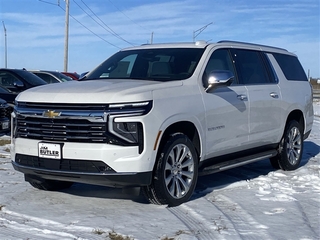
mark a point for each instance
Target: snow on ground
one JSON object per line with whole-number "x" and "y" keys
{"x": 249, "y": 202}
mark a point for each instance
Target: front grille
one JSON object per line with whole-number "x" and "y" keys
{"x": 61, "y": 122}
{"x": 71, "y": 122}
{"x": 64, "y": 129}
{"x": 83, "y": 166}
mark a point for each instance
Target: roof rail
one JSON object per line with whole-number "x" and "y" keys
{"x": 252, "y": 44}
{"x": 201, "y": 42}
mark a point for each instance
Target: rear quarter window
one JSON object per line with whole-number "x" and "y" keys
{"x": 290, "y": 67}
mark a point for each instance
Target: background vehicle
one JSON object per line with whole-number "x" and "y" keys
{"x": 73, "y": 75}
{"x": 18, "y": 80}
{"x": 157, "y": 116}
{"x": 8, "y": 95}
{"x": 5, "y": 115}
{"x": 83, "y": 74}
{"x": 51, "y": 76}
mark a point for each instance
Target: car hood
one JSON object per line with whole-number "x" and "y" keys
{"x": 95, "y": 91}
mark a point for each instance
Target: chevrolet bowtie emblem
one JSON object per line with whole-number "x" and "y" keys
{"x": 51, "y": 114}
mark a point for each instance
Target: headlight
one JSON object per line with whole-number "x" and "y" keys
{"x": 127, "y": 133}
{"x": 126, "y": 130}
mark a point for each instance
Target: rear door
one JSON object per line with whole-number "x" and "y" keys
{"x": 264, "y": 96}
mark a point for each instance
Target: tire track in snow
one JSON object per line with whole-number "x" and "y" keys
{"x": 245, "y": 226}
{"x": 307, "y": 222}
{"x": 20, "y": 226}
{"x": 196, "y": 223}
{"x": 219, "y": 218}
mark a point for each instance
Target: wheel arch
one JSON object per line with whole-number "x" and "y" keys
{"x": 185, "y": 127}
{"x": 296, "y": 115}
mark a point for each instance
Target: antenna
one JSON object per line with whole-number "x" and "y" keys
{"x": 200, "y": 30}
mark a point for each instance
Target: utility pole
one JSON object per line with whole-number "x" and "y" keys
{"x": 200, "y": 30}
{"x": 5, "y": 45}
{"x": 66, "y": 43}
{"x": 151, "y": 40}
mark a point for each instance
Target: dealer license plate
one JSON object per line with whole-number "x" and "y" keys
{"x": 49, "y": 150}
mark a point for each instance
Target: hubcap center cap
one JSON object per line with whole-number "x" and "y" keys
{"x": 176, "y": 169}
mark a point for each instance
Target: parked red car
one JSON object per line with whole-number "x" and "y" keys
{"x": 74, "y": 75}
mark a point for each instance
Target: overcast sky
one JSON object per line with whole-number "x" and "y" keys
{"x": 98, "y": 28}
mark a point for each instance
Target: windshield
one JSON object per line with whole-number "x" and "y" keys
{"x": 62, "y": 77}
{"x": 162, "y": 64}
{"x": 31, "y": 78}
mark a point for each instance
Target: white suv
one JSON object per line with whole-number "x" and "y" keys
{"x": 159, "y": 115}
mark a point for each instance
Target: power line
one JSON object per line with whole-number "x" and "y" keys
{"x": 107, "y": 28}
{"x": 58, "y": 4}
{"x": 126, "y": 15}
{"x": 50, "y": 2}
{"x": 90, "y": 30}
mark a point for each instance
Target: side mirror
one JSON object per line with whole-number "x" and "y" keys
{"x": 219, "y": 78}
{"x": 18, "y": 84}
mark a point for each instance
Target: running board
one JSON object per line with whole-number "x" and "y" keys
{"x": 237, "y": 162}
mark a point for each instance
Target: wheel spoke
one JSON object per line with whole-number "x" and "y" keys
{"x": 291, "y": 157}
{"x": 184, "y": 184}
{"x": 187, "y": 163}
{"x": 172, "y": 186}
{"x": 296, "y": 138}
{"x": 168, "y": 166}
{"x": 178, "y": 188}
{"x": 297, "y": 145}
{"x": 188, "y": 174}
{"x": 172, "y": 156}
{"x": 182, "y": 153}
{"x": 168, "y": 179}
{"x": 295, "y": 154}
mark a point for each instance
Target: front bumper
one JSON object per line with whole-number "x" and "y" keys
{"x": 105, "y": 179}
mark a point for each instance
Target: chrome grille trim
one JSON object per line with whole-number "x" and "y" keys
{"x": 85, "y": 123}
{"x": 57, "y": 129}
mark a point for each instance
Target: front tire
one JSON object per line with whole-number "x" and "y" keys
{"x": 290, "y": 148}
{"x": 176, "y": 172}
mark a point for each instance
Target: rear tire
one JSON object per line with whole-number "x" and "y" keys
{"x": 176, "y": 173}
{"x": 48, "y": 185}
{"x": 290, "y": 148}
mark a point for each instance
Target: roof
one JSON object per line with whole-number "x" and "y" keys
{"x": 204, "y": 44}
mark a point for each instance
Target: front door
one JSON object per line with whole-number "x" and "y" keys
{"x": 227, "y": 110}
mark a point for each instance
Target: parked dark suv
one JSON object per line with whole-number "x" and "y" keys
{"x": 18, "y": 80}
{"x": 5, "y": 111}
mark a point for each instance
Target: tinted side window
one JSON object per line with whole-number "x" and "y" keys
{"x": 290, "y": 67}
{"x": 219, "y": 60}
{"x": 250, "y": 67}
{"x": 8, "y": 80}
{"x": 30, "y": 78}
{"x": 46, "y": 77}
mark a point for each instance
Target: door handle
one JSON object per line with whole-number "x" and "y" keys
{"x": 242, "y": 97}
{"x": 274, "y": 95}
